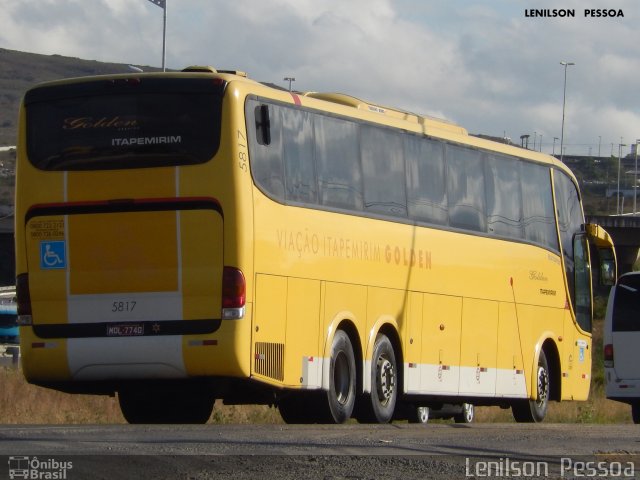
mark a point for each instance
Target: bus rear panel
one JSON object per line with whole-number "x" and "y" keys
{"x": 122, "y": 272}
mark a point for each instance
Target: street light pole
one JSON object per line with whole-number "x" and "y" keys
{"x": 599, "y": 143}
{"x": 620, "y": 145}
{"x": 635, "y": 180}
{"x": 554, "y": 145}
{"x": 564, "y": 98}
{"x": 289, "y": 79}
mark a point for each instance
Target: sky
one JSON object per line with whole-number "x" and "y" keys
{"x": 484, "y": 64}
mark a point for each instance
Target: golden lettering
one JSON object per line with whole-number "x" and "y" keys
{"x": 75, "y": 123}
{"x": 305, "y": 243}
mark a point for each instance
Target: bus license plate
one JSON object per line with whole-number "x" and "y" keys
{"x": 127, "y": 330}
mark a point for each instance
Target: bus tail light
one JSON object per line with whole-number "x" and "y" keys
{"x": 234, "y": 290}
{"x": 608, "y": 355}
{"x": 24, "y": 299}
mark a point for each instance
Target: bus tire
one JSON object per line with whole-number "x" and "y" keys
{"x": 341, "y": 396}
{"x": 419, "y": 414}
{"x": 165, "y": 407}
{"x": 466, "y": 415}
{"x": 534, "y": 411}
{"x": 379, "y": 405}
{"x": 635, "y": 411}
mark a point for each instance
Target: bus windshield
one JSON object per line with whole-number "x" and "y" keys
{"x": 118, "y": 124}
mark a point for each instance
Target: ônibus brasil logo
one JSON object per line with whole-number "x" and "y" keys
{"x": 33, "y": 468}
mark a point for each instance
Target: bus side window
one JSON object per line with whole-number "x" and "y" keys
{"x": 504, "y": 197}
{"x": 426, "y": 180}
{"x": 299, "y": 164}
{"x": 537, "y": 205}
{"x": 383, "y": 171}
{"x": 337, "y": 153}
{"x": 465, "y": 181}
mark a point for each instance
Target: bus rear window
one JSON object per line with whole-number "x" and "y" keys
{"x": 123, "y": 123}
{"x": 627, "y": 305}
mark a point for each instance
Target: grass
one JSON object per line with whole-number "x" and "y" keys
{"x": 22, "y": 403}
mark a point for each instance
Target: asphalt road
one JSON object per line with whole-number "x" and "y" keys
{"x": 269, "y": 452}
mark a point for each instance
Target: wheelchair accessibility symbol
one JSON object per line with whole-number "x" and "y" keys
{"x": 52, "y": 255}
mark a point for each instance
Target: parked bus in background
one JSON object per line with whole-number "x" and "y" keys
{"x": 192, "y": 236}
{"x": 8, "y": 316}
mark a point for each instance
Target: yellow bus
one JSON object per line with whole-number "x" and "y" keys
{"x": 196, "y": 236}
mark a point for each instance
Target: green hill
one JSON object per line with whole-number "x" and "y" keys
{"x": 19, "y": 71}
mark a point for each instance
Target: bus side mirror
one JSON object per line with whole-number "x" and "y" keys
{"x": 606, "y": 253}
{"x": 263, "y": 125}
{"x": 607, "y": 268}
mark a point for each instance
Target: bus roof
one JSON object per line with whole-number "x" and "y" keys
{"x": 346, "y": 104}
{"x": 354, "y": 102}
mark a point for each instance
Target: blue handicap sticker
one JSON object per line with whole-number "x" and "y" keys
{"x": 52, "y": 255}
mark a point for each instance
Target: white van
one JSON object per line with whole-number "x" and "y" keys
{"x": 622, "y": 343}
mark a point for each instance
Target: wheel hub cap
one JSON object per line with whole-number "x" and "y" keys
{"x": 341, "y": 375}
{"x": 543, "y": 385}
{"x": 386, "y": 380}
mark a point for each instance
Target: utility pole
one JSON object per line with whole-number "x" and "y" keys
{"x": 564, "y": 99}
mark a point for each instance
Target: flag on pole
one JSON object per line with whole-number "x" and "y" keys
{"x": 160, "y": 3}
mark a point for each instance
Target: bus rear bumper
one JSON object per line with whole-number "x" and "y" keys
{"x": 224, "y": 353}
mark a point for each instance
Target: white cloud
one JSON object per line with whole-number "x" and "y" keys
{"x": 485, "y": 65}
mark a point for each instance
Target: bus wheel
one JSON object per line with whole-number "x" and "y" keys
{"x": 165, "y": 407}
{"x": 635, "y": 411}
{"x": 533, "y": 411}
{"x": 419, "y": 415}
{"x": 341, "y": 396}
{"x": 378, "y": 407}
{"x": 466, "y": 416}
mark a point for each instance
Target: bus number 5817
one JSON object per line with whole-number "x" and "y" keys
{"x": 117, "y": 307}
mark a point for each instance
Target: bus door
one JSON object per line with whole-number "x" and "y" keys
{"x": 577, "y": 351}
